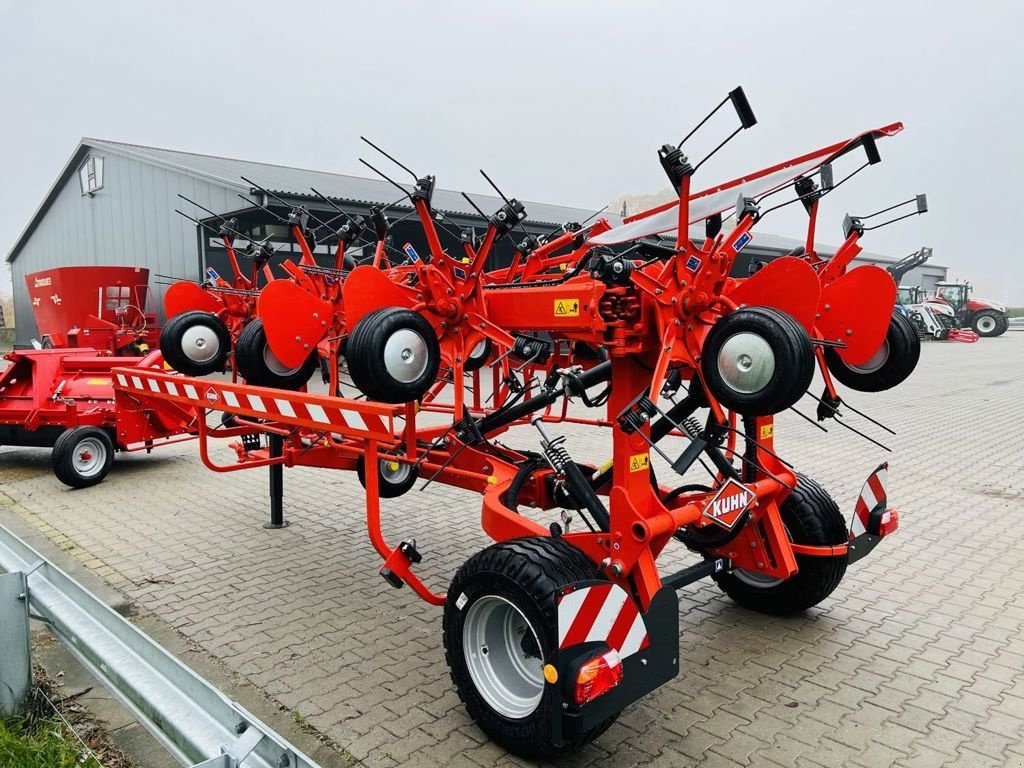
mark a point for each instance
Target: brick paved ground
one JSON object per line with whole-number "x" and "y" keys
{"x": 916, "y": 660}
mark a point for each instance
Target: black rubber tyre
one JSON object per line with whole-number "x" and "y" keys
{"x": 478, "y": 360}
{"x": 989, "y": 323}
{"x": 257, "y": 364}
{"x": 195, "y": 343}
{"x": 393, "y": 355}
{"x": 526, "y": 574}
{"x": 811, "y": 517}
{"x": 392, "y": 481}
{"x": 732, "y": 351}
{"x": 82, "y": 456}
{"x": 891, "y": 365}
{"x": 1004, "y": 325}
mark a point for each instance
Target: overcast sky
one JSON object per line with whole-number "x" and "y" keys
{"x": 562, "y": 102}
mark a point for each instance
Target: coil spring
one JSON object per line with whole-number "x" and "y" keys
{"x": 692, "y": 427}
{"x": 557, "y": 455}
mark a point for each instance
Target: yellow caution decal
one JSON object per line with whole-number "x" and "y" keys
{"x": 640, "y": 462}
{"x": 767, "y": 430}
{"x": 567, "y": 307}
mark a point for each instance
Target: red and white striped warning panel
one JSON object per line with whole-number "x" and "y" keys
{"x": 301, "y": 409}
{"x": 601, "y": 613}
{"x": 873, "y": 495}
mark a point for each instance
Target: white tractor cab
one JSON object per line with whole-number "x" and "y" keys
{"x": 932, "y": 319}
{"x": 984, "y": 316}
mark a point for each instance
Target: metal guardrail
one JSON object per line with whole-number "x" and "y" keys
{"x": 197, "y": 724}
{"x": 1017, "y": 323}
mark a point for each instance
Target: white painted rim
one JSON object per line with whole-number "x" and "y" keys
{"x": 90, "y": 457}
{"x": 405, "y": 355}
{"x": 200, "y": 343}
{"x": 746, "y": 362}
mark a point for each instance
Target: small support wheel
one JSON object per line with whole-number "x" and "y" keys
{"x": 478, "y": 356}
{"x": 82, "y": 456}
{"x": 394, "y": 478}
{"x": 500, "y": 624}
{"x": 195, "y": 343}
{"x": 894, "y": 361}
{"x": 757, "y": 361}
{"x": 258, "y": 364}
{"x": 393, "y": 355}
{"x": 811, "y": 517}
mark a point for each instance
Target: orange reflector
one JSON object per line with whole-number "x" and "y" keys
{"x": 889, "y": 523}
{"x": 550, "y": 674}
{"x": 598, "y": 676}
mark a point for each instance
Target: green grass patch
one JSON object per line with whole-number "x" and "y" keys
{"x": 1016, "y": 311}
{"x": 41, "y": 743}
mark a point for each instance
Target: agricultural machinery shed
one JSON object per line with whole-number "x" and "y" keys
{"x": 114, "y": 204}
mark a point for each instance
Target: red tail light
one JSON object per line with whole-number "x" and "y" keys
{"x": 598, "y": 676}
{"x": 889, "y": 523}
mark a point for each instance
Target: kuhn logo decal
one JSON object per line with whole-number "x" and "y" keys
{"x": 729, "y": 503}
{"x": 211, "y": 395}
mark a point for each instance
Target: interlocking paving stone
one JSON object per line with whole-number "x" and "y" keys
{"x": 917, "y": 659}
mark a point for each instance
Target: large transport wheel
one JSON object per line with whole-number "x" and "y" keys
{"x": 195, "y": 343}
{"x": 500, "y": 624}
{"x": 989, "y": 323}
{"x": 393, "y": 355}
{"x": 394, "y": 478}
{"x": 258, "y": 365}
{"x": 82, "y": 456}
{"x": 894, "y": 361}
{"x": 811, "y": 517}
{"x": 757, "y": 361}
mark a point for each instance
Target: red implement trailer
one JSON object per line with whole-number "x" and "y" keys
{"x": 64, "y": 399}
{"x": 99, "y": 308}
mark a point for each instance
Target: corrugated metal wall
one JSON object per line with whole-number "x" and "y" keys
{"x": 130, "y": 221}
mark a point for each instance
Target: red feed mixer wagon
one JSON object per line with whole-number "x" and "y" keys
{"x": 567, "y": 618}
{"x": 61, "y": 396}
{"x": 99, "y": 307}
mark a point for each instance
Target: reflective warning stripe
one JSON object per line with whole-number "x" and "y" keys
{"x": 873, "y": 495}
{"x": 224, "y": 399}
{"x": 601, "y": 613}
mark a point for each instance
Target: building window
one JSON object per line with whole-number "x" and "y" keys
{"x": 90, "y": 175}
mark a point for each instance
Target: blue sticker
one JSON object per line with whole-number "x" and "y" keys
{"x": 411, "y": 252}
{"x": 212, "y": 274}
{"x": 693, "y": 263}
{"x": 459, "y": 273}
{"x": 741, "y": 242}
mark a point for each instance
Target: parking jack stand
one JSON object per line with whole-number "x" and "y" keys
{"x": 277, "y": 520}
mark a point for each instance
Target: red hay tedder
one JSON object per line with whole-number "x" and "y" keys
{"x": 567, "y": 618}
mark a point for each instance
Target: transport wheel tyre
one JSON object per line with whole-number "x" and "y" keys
{"x": 258, "y": 365}
{"x": 987, "y": 323}
{"x": 394, "y": 478}
{"x": 757, "y": 361}
{"x": 393, "y": 355}
{"x": 195, "y": 343}
{"x": 500, "y": 623}
{"x": 478, "y": 356}
{"x": 82, "y": 456}
{"x": 894, "y": 361}
{"x": 811, "y": 517}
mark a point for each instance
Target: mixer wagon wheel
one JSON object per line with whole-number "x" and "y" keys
{"x": 894, "y": 361}
{"x": 394, "y": 478}
{"x": 258, "y": 364}
{"x": 811, "y": 517}
{"x": 500, "y": 624}
{"x": 82, "y": 456}
{"x": 393, "y": 355}
{"x": 757, "y": 361}
{"x": 195, "y": 343}
{"x": 478, "y": 356}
